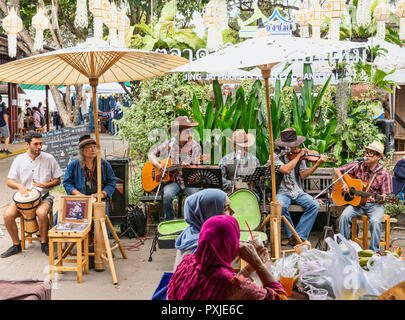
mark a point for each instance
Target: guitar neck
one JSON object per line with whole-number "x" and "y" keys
{"x": 366, "y": 194}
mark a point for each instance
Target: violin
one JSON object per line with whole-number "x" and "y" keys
{"x": 311, "y": 156}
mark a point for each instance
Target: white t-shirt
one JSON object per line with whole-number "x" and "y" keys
{"x": 43, "y": 170}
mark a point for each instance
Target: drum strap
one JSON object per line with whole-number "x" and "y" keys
{"x": 44, "y": 196}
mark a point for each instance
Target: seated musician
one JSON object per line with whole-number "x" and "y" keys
{"x": 81, "y": 174}
{"x": 378, "y": 181}
{"x": 290, "y": 188}
{"x": 185, "y": 151}
{"x": 33, "y": 169}
{"x": 247, "y": 162}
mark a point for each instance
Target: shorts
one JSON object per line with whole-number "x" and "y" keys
{"x": 48, "y": 199}
{"x": 4, "y": 131}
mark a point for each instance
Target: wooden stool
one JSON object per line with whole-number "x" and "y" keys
{"x": 22, "y": 132}
{"x": 363, "y": 241}
{"x": 32, "y": 237}
{"x": 42, "y": 129}
{"x": 81, "y": 240}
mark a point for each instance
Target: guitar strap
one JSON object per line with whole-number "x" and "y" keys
{"x": 373, "y": 177}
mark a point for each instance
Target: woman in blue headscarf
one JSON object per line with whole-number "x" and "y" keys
{"x": 197, "y": 209}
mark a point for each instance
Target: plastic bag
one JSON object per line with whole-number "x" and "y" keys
{"x": 349, "y": 280}
{"x": 385, "y": 272}
{"x": 316, "y": 278}
{"x": 290, "y": 262}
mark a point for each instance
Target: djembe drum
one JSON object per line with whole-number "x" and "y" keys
{"x": 27, "y": 207}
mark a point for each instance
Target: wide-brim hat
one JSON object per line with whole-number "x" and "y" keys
{"x": 182, "y": 122}
{"x": 377, "y": 147}
{"x": 242, "y": 139}
{"x": 289, "y": 138}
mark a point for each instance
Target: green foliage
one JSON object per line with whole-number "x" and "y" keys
{"x": 241, "y": 112}
{"x": 156, "y": 103}
{"x": 165, "y": 34}
{"x": 394, "y": 209}
{"x": 357, "y": 131}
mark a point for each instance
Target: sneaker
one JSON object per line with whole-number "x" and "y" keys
{"x": 45, "y": 248}
{"x": 7, "y": 152}
{"x": 2, "y": 151}
{"x": 14, "y": 249}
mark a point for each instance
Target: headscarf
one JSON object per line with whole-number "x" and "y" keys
{"x": 197, "y": 209}
{"x": 206, "y": 275}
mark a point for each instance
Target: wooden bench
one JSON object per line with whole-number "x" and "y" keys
{"x": 313, "y": 185}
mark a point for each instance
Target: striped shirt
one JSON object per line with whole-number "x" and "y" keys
{"x": 382, "y": 183}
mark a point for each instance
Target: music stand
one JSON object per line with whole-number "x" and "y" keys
{"x": 202, "y": 178}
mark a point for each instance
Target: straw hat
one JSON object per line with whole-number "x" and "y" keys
{"x": 241, "y": 139}
{"x": 182, "y": 122}
{"x": 289, "y": 138}
{"x": 376, "y": 146}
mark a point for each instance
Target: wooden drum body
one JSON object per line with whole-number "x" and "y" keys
{"x": 27, "y": 207}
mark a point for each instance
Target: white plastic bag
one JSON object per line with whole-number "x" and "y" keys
{"x": 385, "y": 272}
{"x": 349, "y": 280}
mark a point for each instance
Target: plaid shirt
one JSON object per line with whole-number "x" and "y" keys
{"x": 190, "y": 153}
{"x": 382, "y": 183}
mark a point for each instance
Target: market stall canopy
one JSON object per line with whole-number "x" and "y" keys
{"x": 76, "y": 65}
{"x": 103, "y": 88}
{"x": 265, "y": 50}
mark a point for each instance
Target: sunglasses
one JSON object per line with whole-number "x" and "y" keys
{"x": 371, "y": 154}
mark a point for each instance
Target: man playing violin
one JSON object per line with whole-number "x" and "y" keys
{"x": 185, "y": 151}
{"x": 378, "y": 181}
{"x": 292, "y": 170}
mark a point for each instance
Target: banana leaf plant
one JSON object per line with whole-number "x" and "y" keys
{"x": 242, "y": 112}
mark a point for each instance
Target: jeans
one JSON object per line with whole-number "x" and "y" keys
{"x": 170, "y": 191}
{"x": 307, "y": 219}
{"x": 375, "y": 213}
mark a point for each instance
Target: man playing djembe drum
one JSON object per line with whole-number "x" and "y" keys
{"x": 32, "y": 170}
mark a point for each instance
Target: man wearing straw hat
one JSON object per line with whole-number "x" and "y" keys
{"x": 184, "y": 151}
{"x": 290, "y": 190}
{"x": 246, "y": 161}
{"x": 378, "y": 182}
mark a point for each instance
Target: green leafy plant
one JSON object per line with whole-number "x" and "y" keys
{"x": 165, "y": 34}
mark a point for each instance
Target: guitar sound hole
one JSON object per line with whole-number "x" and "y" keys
{"x": 348, "y": 197}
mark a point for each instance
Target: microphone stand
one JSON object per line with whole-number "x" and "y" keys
{"x": 326, "y": 229}
{"x": 236, "y": 170}
{"x": 164, "y": 170}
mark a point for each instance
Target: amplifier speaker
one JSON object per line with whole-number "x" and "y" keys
{"x": 386, "y": 126}
{"x": 120, "y": 195}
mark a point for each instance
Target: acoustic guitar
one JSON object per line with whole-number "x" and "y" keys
{"x": 356, "y": 195}
{"x": 151, "y": 176}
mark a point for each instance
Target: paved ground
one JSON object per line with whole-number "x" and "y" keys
{"x": 138, "y": 278}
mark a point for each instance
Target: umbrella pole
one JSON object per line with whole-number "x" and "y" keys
{"x": 102, "y": 249}
{"x": 99, "y": 206}
{"x": 275, "y": 207}
{"x": 94, "y": 83}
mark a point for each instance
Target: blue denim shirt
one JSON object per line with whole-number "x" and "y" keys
{"x": 76, "y": 179}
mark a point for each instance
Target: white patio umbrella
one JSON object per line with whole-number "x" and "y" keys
{"x": 265, "y": 52}
{"x": 91, "y": 62}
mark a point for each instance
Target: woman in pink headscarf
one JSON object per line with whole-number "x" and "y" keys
{"x": 208, "y": 275}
